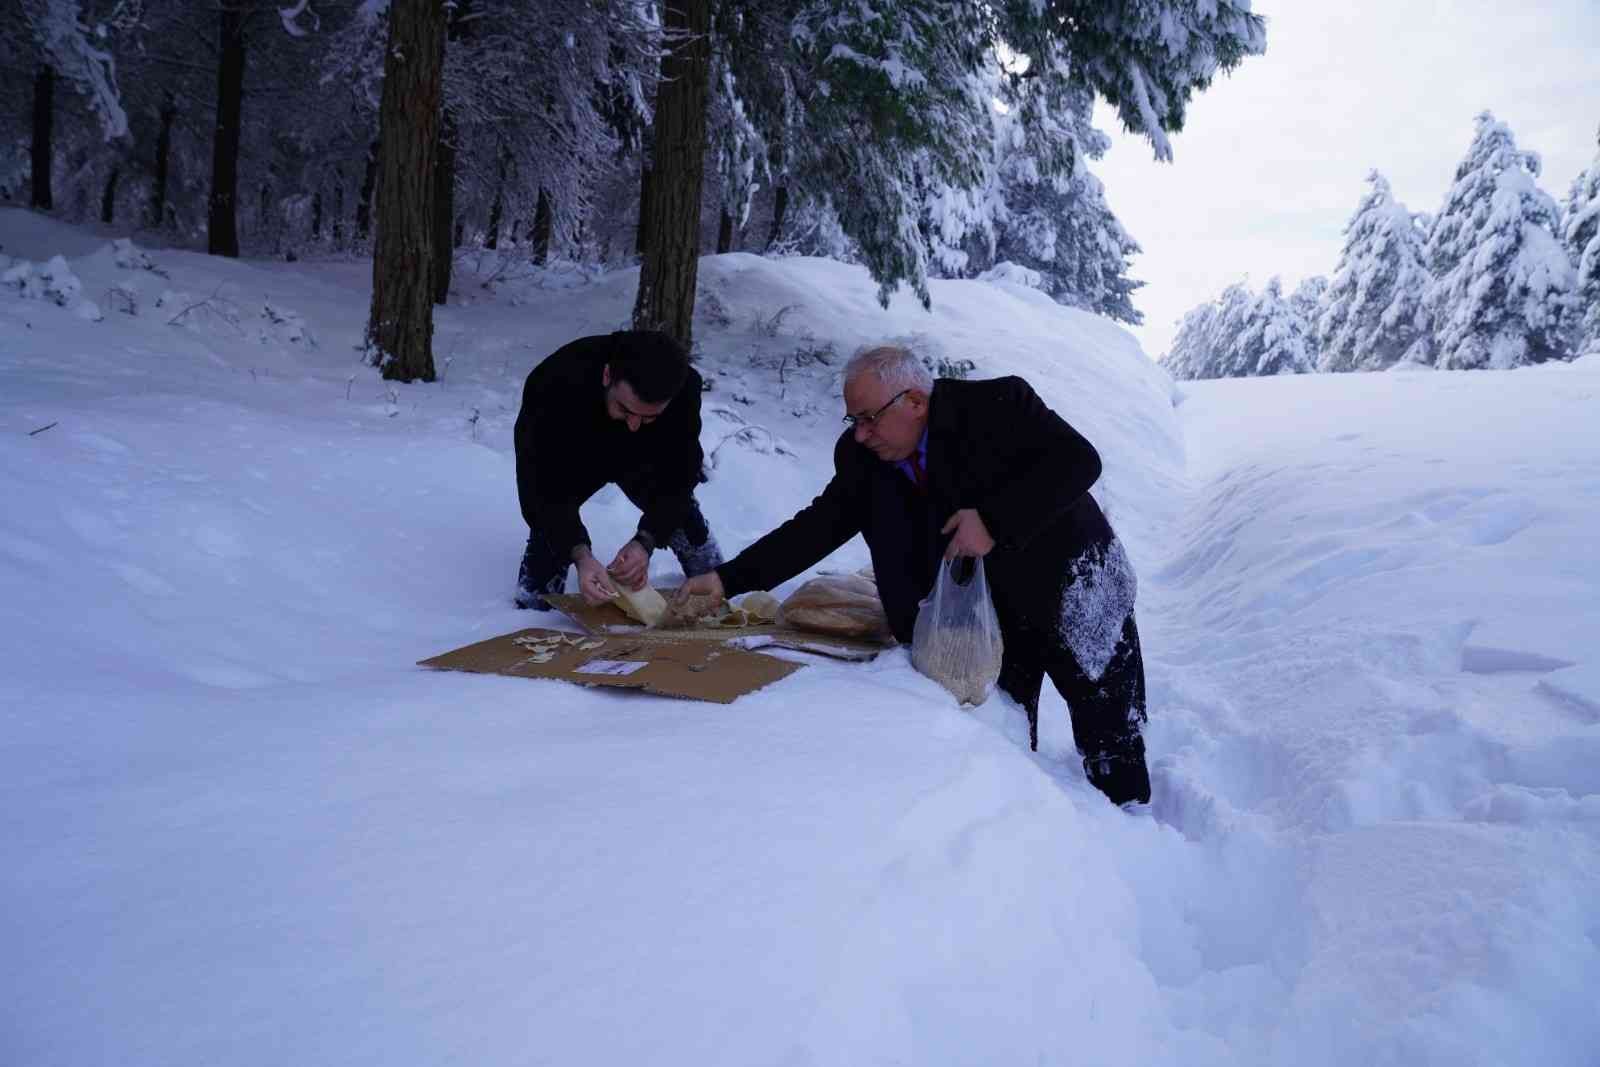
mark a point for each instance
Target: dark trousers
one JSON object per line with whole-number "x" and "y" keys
{"x": 544, "y": 569}
{"x": 1108, "y": 713}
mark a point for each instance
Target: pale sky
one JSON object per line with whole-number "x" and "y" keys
{"x": 1273, "y": 157}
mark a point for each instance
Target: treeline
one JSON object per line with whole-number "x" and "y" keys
{"x": 939, "y": 137}
{"x": 1501, "y": 276}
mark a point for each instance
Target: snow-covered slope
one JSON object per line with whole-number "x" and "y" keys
{"x": 241, "y": 827}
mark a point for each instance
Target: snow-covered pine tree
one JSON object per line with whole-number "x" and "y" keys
{"x": 752, "y": 101}
{"x": 891, "y": 127}
{"x": 1307, "y": 296}
{"x": 1061, "y": 227}
{"x": 1502, "y": 289}
{"x": 1243, "y": 335}
{"x": 224, "y": 113}
{"x": 1065, "y": 230}
{"x": 740, "y": 155}
{"x": 1305, "y": 301}
{"x": 1191, "y": 354}
{"x": 75, "y": 47}
{"x": 1271, "y": 337}
{"x": 892, "y": 115}
{"x": 1371, "y": 314}
{"x": 47, "y": 46}
{"x": 543, "y": 94}
{"x": 1580, "y": 228}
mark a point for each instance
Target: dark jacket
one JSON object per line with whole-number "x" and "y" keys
{"x": 568, "y": 448}
{"x": 992, "y": 445}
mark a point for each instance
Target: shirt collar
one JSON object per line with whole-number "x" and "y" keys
{"x": 904, "y": 465}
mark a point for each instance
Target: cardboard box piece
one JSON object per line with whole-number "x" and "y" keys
{"x": 695, "y": 670}
{"x": 608, "y": 620}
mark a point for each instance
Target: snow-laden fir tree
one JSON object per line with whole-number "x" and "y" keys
{"x": 1065, "y": 230}
{"x": 1371, "y": 314}
{"x": 1502, "y": 289}
{"x": 1307, "y": 296}
{"x": 1306, "y": 301}
{"x": 224, "y": 117}
{"x": 541, "y": 97}
{"x": 1191, "y": 354}
{"x": 1060, "y": 228}
{"x": 1265, "y": 336}
{"x": 47, "y": 46}
{"x": 1023, "y": 198}
{"x": 75, "y": 47}
{"x": 1243, "y": 335}
{"x": 1581, "y": 233}
{"x": 892, "y": 105}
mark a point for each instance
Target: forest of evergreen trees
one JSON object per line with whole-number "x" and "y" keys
{"x": 1501, "y": 276}
{"x": 939, "y": 138}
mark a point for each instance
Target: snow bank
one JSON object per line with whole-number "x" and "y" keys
{"x": 247, "y": 830}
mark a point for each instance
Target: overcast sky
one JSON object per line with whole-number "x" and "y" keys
{"x": 1272, "y": 160}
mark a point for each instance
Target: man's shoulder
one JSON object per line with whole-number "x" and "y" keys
{"x": 977, "y": 395}
{"x": 571, "y": 362}
{"x": 693, "y": 386}
{"x": 1009, "y": 383}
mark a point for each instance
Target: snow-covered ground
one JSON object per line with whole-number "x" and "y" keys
{"x": 237, "y": 826}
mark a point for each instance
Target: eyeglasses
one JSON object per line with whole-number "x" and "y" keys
{"x": 868, "y": 420}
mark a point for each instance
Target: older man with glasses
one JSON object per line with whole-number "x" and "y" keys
{"x": 930, "y": 469}
{"x": 620, "y": 408}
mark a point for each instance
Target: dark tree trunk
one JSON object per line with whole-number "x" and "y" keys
{"x": 108, "y": 202}
{"x": 539, "y": 235}
{"x": 400, "y": 327}
{"x": 780, "y": 207}
{"x": 444, "y": 207}
{"x": 338, "y": 209}
{"x": 158, "y": 197}
{"x": 444, "y": 173}
{"x": 642, "y": 235}
{"x": 316, "y": 214}
{"x": 44, "y": 110}
{"x": 364, "y": 205}
{"x": 725, "y": 233}
{"x": 497, "y": 208}
{"x": 672, "y": 239}
{"x": 222, "y": 229}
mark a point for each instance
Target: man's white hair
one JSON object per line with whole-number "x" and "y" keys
{"x": 894, "y": 365}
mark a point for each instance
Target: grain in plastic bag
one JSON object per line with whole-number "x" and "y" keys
{"x": 956, "y": 641}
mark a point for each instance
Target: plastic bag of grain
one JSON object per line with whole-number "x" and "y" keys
{"x": 843, "y": 605}
{"x": 956, "y": 641}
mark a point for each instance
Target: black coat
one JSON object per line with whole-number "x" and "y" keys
{"x": 992, "y": 445}
{"x": 568, "y": 448}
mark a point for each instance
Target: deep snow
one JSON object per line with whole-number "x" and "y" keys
{"x": 239, "y": 827}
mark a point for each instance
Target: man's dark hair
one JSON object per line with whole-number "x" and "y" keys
{"x": 650, "y": 361}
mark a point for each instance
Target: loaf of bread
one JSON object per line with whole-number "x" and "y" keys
{"x": 843, "y": 605}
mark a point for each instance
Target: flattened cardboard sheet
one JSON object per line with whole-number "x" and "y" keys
{"x": 606, "y": 620}
{"x": 694, "y": 670}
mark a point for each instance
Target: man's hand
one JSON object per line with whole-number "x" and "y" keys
{"x": 631, "y": 567}
{"x": 971, "y": 535}
{"x": 708, "y": 584}
{"x": 592, "y": 581}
